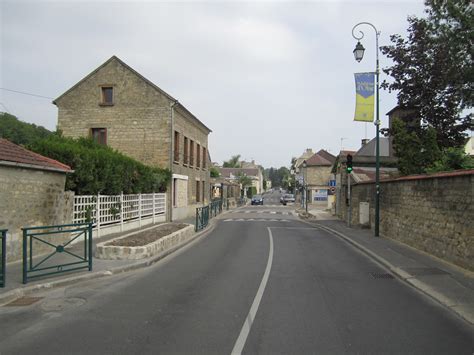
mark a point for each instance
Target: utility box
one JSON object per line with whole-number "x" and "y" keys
{"x": 364, "y": 213}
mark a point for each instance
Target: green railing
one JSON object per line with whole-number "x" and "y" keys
{"x": 241, "y": 201}
{"x": 215, "y": 208}
{"x": 66, "y": 257}
{"x": 3, "y": 261}
{"x": 202, "y": 218}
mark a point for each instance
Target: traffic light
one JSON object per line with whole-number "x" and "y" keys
{"x": 349, "y": 164}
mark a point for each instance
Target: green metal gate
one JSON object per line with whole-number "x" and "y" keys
{"x": 67, "y": 256}
{"x": 3, "y": 255}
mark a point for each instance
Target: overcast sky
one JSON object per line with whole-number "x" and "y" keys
{"x": 270, "y": 78}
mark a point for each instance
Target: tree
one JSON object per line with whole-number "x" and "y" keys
{"x": 233, "y": 162}
{"x": 433, "y": 69}
{"x": 214, "y": 172}
{"x": 416, "y": 151}
{"x": 19, "y": 132}
{"x": 244, "y": 181}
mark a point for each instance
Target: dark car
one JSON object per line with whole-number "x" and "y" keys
{"x": 257, "y": 200}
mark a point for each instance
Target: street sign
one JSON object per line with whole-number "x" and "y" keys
{"x": 300, "y": 178}
{"x": 333, "y": 189}
{"x": 332, "y": 182}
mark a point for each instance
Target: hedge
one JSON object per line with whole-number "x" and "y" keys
{"x": 101, "y": 169}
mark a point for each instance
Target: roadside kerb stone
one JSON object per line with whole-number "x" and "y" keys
{"x": 112, "y": 252}
{"x": 464, "y": 311}
{"x": 23, "y": 291}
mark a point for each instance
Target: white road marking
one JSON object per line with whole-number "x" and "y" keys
{"x": 228, "y": 220}
{"x": 240, "y": 342}
{"x": 273, "y": 212}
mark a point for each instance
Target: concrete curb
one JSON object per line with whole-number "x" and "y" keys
{"x": 465, "y": 314}
{"x": 14, "y": 294}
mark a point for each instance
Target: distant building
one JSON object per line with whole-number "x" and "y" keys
{"x": 233, "y": 174}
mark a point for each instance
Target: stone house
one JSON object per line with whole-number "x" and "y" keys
{"x": 317, "y": 175}
{"x": 255, "y": 174}
{"x": 31, "y": 194}
{"x": 117, "y": 106}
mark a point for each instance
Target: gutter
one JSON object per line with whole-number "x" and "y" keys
{"x": 35, "y": 167}
{"x": 170, "y": 202}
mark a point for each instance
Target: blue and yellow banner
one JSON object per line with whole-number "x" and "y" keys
{"x": 364, "y": 97}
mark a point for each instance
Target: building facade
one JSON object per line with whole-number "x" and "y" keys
{"x": 117, "y": 106}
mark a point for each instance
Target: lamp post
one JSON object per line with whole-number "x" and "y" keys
{"x": 358, "y": 55}
{"x": 305, "y": 186}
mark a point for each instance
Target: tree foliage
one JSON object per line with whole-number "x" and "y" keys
{"x": 100, "y": 169}
{"x": 233, "y": 162}
{"x": 214, "y": 172}
{"x": 433, "y": 71}
{"x": 19, "y": 132}
{"x": 418, "y": 152}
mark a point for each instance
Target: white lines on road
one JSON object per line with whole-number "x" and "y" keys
{"x": 268, "y": 212}
{"x": 255, "y": 220}
{"x": 240, "y": 342}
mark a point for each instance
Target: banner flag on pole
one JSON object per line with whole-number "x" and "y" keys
{"x": 365, "y": 85}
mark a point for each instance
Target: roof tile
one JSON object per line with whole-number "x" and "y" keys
{"x": 11, "y": 152}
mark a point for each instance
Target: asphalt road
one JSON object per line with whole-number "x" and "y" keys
{"x": 262, "y": 282}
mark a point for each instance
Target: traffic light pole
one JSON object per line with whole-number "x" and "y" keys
{"x": 349, "y": 214}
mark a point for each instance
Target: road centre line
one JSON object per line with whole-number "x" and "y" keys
{"x": 244, "y": 332}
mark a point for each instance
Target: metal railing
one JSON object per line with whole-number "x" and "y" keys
{"x": 65, "y": 257}
{"x": 241, "y": 201}
{"x": 3, "y": 261}
{"x": 215, "y": 207}
{"x": 202, "y": 218}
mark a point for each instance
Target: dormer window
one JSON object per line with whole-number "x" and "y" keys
{"x": 106, "y": 95}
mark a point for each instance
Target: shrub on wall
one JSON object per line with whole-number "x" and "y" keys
{"x": 101, "y": 169}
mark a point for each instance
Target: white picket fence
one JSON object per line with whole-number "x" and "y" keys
{"x": 108, "y": 210}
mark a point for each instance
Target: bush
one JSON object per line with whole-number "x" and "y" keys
{"x": 100, "y": 169}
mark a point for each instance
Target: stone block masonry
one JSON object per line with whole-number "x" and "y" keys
{"x": 434, "y": 214}
{"x": 31, "y": 198}
{"x": 104, "y": 251}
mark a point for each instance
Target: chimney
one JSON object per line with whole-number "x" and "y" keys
{"x": 309, "y": 150}
{"x": 365, "y": 141}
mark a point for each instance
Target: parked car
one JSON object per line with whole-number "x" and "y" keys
{"x": 287, "y": 198}
{"x": 257, "y": 200}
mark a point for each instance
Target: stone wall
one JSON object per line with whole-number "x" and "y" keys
{"x": 434, "y": 214}
{"x": 31, "y": 198}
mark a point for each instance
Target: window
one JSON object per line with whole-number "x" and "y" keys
{"x": 191, "y": 153}
{"x": 198, "y": 155}
{"x": 107, "y": 95}
{"x": 185, "y": 157}
{"x": 99, "y": 135}
{"x": 204, "y": 157}
{"x": 198, "y": 193}
{"x": 176, "y": 146}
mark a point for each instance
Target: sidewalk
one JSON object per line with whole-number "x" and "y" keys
{"x": 100, "y": 268}
{"x": 448, "y": 284}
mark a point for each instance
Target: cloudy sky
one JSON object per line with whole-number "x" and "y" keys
{"x": 270, "y": 78}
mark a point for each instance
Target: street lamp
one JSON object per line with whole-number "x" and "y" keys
{"x": 305, "y": 186}
{"x": 358, "y": 55}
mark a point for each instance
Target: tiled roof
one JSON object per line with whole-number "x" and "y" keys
{"x": 326, "y": 155}
{"x": 226, "y": 172}
{"x": 318, "y": 160}
{"x": 10, "y": 152}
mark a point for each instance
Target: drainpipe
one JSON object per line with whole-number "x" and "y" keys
{"x": 170, "y": 202}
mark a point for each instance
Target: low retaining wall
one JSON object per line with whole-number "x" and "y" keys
{"x": 112, "y": 252}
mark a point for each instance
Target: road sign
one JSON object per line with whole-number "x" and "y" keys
{"x": 333, "y": 189}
